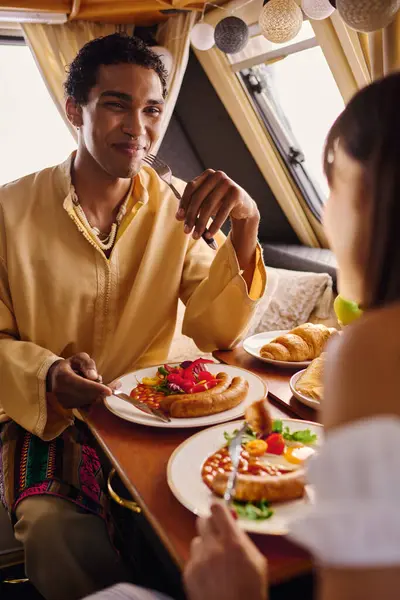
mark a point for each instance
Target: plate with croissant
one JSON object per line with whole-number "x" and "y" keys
{"x": 293, "y": 349}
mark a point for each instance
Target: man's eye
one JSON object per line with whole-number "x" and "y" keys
{"x": 115, "y": 105}
{"x": 153, "y": 110}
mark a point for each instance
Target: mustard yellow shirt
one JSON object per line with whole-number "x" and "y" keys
{"x": 60, "y": 295}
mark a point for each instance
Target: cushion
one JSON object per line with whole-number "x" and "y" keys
{"x": 291, "y": 298}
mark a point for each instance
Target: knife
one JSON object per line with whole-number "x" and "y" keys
{"x": 142, "y": 406}
{"x": 235, "y": 449}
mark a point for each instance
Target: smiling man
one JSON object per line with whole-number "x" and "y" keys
{"x": 94, "y": 257}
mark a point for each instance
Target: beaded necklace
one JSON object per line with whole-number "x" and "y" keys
{"x": 105, "y": 241}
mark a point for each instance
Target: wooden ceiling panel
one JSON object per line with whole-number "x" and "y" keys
{"x": 58, "y": 6}
{"x": 140, "y": 12}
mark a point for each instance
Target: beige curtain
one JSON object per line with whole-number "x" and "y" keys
{"x": 175, "y": 36}
{"x": 55, "y": 46}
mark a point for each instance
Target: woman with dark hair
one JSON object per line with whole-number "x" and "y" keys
{"x": 353, "y": 529}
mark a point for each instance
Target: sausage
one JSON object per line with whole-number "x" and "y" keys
{"x": 224, "y": 378}
{"x": 259, "y": 418}
{"x": 254, "y": 488}
{"x": 209, "y": 403}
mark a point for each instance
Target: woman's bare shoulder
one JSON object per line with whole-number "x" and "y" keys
{"x": 362, "y": 370}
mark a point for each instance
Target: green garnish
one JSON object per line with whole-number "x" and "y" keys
{"x": 304, "y": 436}
{"x": 277, "y": 426}
{"x": 248, "y": 436}
{"x": 163, "y": 389}
{"x": 253, "y": 511}
{"x": 163, "y": 371}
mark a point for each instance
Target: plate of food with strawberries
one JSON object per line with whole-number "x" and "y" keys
{"x": 191, "y": 394}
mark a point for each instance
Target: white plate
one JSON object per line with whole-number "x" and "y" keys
{"x": 302, "y": 397}
{"x": 257, "y": 391}
{"x": 253, "y": 345}
{"x": 185, "y": 482}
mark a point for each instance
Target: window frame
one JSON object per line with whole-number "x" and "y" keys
{"x": 292, "y": 157}
{"x": 12, "y": 40}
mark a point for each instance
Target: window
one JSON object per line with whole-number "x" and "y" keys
{"x": 296, "y": 96}
{"x": 32, "y": 132}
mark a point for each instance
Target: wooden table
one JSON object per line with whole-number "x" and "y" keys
{"x": 140, "y": 456}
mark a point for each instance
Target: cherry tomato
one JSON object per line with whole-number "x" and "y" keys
{"x": 276, "y": 443}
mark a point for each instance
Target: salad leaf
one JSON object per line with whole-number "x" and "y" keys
{"x": 164, "y": 389}
{"x": 253, "y": 511}
{"x": 163, "y": 371}
{"x": 304, "y": 436}
{"x": 248, "y": 436}
{"x": 186, "y": 364}
{"x": 277, "y": 426}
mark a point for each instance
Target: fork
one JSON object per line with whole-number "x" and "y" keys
{"x": 165, "y": 173}
{"x": 235, "y": 448}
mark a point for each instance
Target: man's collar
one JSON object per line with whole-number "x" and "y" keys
{"x": 68, "y": 189}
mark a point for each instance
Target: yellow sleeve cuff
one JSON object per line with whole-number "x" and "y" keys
{"x": 259, "y": 281}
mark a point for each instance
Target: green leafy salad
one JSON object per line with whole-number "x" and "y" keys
{"x": 253, "y": 511}
{"x": 304, "y": 436}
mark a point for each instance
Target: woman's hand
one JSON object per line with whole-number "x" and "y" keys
{"x": 224, "y": 563}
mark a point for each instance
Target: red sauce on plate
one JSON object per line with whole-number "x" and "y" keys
{"x": 147, "y": 394}
{"x": 220, "y": 462}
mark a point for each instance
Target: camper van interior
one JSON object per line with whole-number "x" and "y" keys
{"x": 199, "y": 291}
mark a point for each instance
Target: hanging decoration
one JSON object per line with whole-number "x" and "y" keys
{"x": 368, "y": 15}
{"x": 231, "y": 35}
{"x": 317, "y": 9}
{"x": 202, "y": 36}
{"x": 165, "y": 56}
{"x": 280, "y": 20}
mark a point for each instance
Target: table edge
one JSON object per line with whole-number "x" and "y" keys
{"x": 136, "y": 496}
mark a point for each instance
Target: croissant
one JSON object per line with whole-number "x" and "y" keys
{"x": 305, "y": 342}
{"x": 310, "y": 382}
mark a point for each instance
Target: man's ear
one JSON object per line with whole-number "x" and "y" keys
{"x": 74, "y": 112}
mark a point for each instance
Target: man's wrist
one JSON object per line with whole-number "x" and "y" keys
{"x": 49, "y": 376}
{"x": 244, "y": 237}
{"x": 245, "y": 226}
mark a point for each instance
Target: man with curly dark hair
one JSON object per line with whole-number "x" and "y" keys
{"x": 94, "y": 257}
